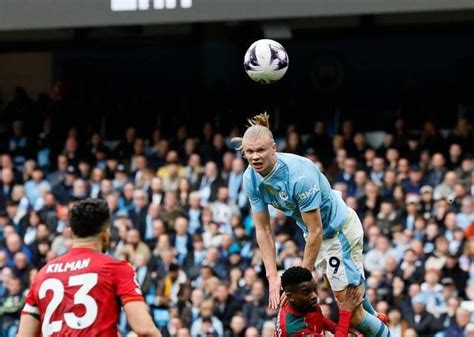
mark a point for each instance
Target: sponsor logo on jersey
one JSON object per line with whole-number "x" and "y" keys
{"x": 307, "y": 194}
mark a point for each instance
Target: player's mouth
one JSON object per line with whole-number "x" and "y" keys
{"x": 257, "y": 166}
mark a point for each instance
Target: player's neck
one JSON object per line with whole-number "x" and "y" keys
{"x": 90, "y": 243}
{"x": 270, "y": 169}
{"x": 300, "y": 311}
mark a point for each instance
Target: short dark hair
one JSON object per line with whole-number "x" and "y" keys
{"x": 294, "y": 276}
{"x": 88, "y": 217}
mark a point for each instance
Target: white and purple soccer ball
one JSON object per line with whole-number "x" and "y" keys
{"x": 266, "y": 61}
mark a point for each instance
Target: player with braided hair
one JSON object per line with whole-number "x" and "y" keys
{"x": 333, "y": 231}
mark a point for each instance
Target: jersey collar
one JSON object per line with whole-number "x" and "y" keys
{"x": 269, "y": 176}
{"x": 267, "y": 179}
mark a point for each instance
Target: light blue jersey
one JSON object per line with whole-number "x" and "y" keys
{"x": 296, "y": 185}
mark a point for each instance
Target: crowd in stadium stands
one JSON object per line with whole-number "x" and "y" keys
{"x": 180, "y": 217}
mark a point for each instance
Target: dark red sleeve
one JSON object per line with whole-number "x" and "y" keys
{"x": 31, "y": 303}
{"x": 344, "y": 324}
{"x": 329, "y": 325}
{"x": 127, "y": 286}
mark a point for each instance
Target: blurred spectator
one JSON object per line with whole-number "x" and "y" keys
{"x": 237, "y": 326}
{"x": 169, "y": 286}
{"x": 207, "y": 322}
{"x": 34, "y": 186}
{"x": 255, "y": 305}
{"x": 446, "y": 188}
{"x": 462, "y": 135}
{"x": 223, "y": 209}
{"x": 346, "y": 175}
{"x": 419, "y": 319}
{"x": 181, "y": 239}
{"x": 458, "y": 329}
{"x": 466, "y": 216}
{"x": 18, "y": 144}
{"x": 225, "y": 306}
{"x": 415, "y": 180}
{"x": 14, "y": 245}
{"x": 466, "y": 260}
{"x": 180, "y": 216}
{"x": 375, "y": 259}
{"x": 134, "y": 246}
{"x": 11, "y": 307}
{"x": 209, "y": 184}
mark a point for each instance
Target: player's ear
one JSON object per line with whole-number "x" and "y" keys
{"x": 106, "y": 232}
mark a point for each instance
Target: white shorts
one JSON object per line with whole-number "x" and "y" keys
{"x": 340, "y": 258}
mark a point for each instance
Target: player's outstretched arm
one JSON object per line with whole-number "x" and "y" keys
{"x": 312, "y": 220}
{"x": 266, "y": 243}
{"x": 353, "y": 298}
{"x": 29, "y": 326}
{"x": 140, "y": 320}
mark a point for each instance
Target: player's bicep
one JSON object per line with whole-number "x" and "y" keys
{"x": 312, "y": 220}
{"x": 256, "y": 202}
{"x": 262, "y": 220}
{"x": 29, "y": 326}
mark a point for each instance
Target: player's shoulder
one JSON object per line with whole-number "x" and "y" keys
{"x": 297, "y": 166}
{"x": 110, "y": 260}
{"x": 250, "y": 179}
{"x": 117, "y": 264}
{"x": 294, "y": 161}
{"x": 248, "y": 173}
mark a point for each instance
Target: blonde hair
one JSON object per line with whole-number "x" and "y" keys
{"x": 259, "y": 126}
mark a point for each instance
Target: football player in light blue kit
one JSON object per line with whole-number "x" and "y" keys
{"x": 333, "y": 232}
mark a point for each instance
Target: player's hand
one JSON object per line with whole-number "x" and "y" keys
{"x": 274, "y": 284}
{"x": 352, "y": 299}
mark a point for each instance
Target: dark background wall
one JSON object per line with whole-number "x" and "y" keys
{"x": 367, "y": 77}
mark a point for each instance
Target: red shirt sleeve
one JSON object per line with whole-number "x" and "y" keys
{"x": 343, "y": 326}
{"x": 126, "y": 283}
{"x": 329, "y": 325}
{"x": 31, "y": 303}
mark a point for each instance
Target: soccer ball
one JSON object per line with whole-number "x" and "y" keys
{"x": 266, "y": 61}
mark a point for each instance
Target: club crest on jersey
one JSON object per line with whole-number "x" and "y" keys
{"x": 283, "y": 195}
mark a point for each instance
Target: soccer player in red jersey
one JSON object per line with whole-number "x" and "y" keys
{"x": 301, "y": 315}
{"x": 81, "y": 292}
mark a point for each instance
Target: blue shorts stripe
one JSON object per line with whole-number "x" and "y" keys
{"x": 354, "y": 277}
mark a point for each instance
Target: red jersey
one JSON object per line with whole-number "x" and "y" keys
{"x": 291, "y": 323}
{"x": 79, "y": 294}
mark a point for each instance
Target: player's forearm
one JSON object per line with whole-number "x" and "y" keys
{"x": 29, "y": 326}
{"x": 311, "y": 250}
{"x": 140, "y": 320}
{"x": 343, "y": 324}
{"x": 266, "y": 243}
{"x": 151, "y": 332}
